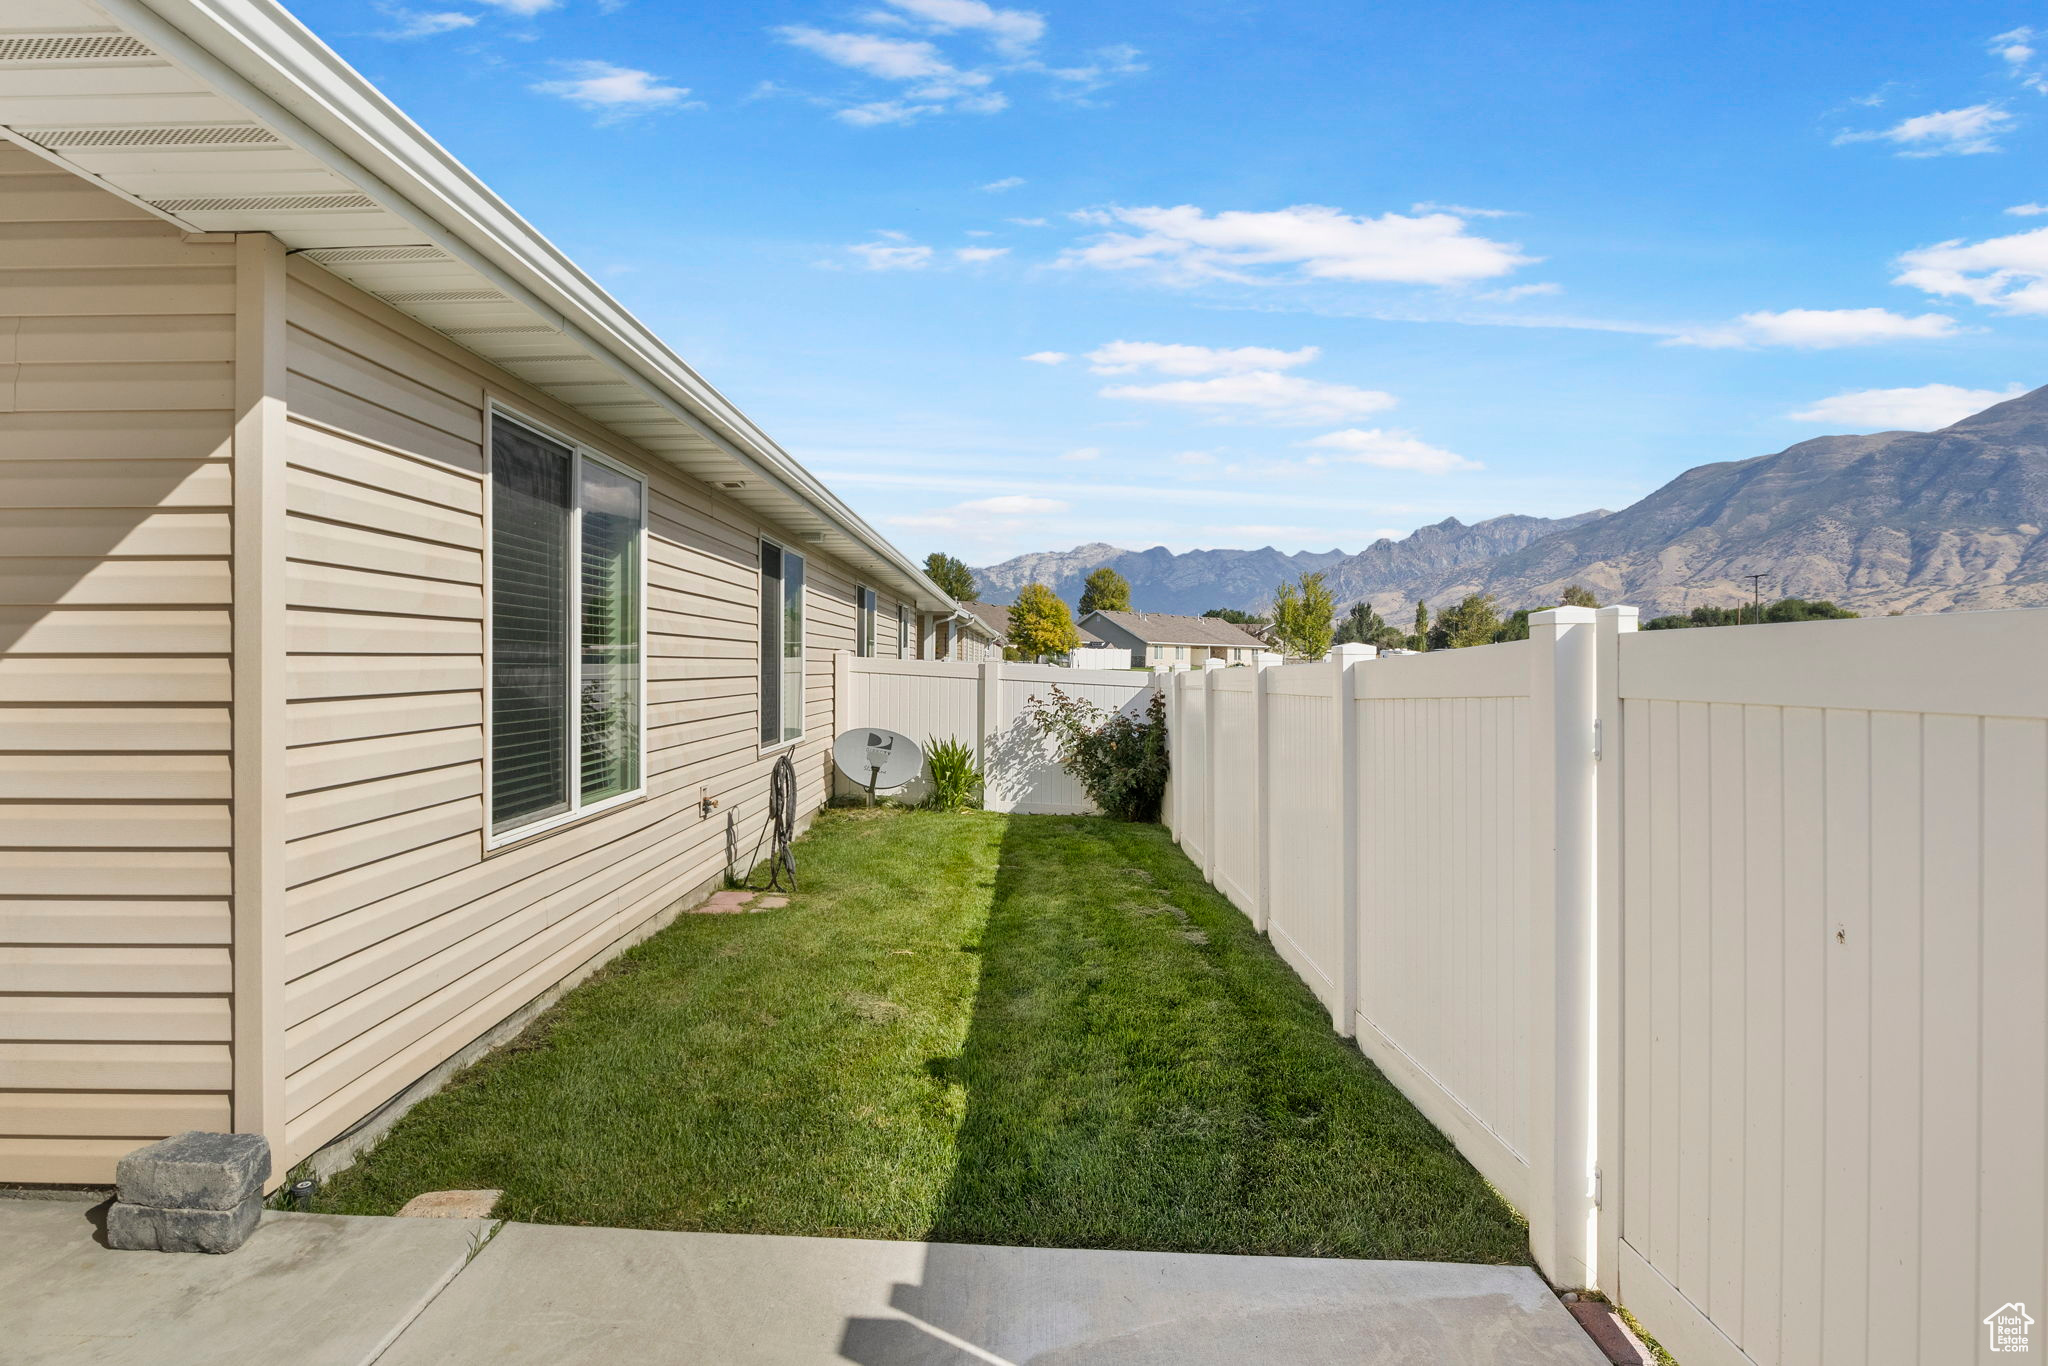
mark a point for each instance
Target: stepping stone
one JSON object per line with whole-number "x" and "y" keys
{"x": 770, "y": 903}
{"x": 451, "y": 1205}
{"x": 724, "y": 903}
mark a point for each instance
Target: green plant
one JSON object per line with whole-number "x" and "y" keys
{"x": 1041, "y": 625}
{"x": 1120, "y": 760}
{"x": 1304, "y": 616}
{"x": 956, "y": 782}
{"x": 1105, "y": 591}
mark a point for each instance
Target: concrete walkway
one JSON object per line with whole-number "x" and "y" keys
{"x": 320, "y": 1289}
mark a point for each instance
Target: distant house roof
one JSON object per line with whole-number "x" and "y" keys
{"x": 1162, "y": 628}
{"x": 997, "y": 619}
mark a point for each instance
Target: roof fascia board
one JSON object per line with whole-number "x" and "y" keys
{"x": 262, "y": 57}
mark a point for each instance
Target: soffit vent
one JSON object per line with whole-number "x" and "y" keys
{"x": 534, "y": 330}
{"x": 547, "y": 360}
{"x": 264, "y": 203}
{"x": 71, "y": 47}
{"x": 214, "y": 135}
{"x": 442, "y": 296}
{"x": 363, "y": 256}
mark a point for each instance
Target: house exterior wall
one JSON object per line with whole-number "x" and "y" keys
{"x": 1122, "y": 639}
{"x": 123, "y": 1014}
{"x": 116, "y": 397}
{"x": 406, "y": 938}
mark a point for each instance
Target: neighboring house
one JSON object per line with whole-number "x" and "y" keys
{"x": 392, "y": 623}
{"x": 958, "y": 636}
{"x": 1155, "y": 638}
{"x": 993, "y": 623}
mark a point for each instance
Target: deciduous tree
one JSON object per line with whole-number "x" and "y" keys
{"x": 1474, "y": 621}
{"x": 1040, "y": 624}
{"x": 1105, "y": 591}
{"x": 952, "y": 576}
{"x": 1304, "y": 615}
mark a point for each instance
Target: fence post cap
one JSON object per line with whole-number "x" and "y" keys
{"x": 1351, "y": 652}
{"x": 1619, "y": 613}
{"x": 1564, "y": 616}
{"x": 1209, "y": 664}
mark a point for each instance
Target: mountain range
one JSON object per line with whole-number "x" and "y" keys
{"x": 1893, "y": 521}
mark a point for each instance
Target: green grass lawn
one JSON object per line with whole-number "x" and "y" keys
{"x": 970, "y": 1028}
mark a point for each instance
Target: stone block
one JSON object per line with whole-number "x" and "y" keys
{"x": 150, "y": 1228}
{"x": 195, "y": 1171}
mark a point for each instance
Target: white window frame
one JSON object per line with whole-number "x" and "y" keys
{"x": 903, "y": 641}
{"x": 867, "y": 607}
{"x": 803, "y": 652}
{"x": 578, "y": 810}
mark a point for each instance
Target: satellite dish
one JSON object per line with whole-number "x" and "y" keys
{"x": 877, "y": 759}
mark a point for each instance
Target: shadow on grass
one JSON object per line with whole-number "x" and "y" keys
{"x": 1143, "y": 1072}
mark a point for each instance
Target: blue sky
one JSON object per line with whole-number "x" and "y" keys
{"x": 1206, "y": 273}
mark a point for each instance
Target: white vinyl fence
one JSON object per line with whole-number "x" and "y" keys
{"x": 983, "y": 706}
{"x": 1723, "y": 953}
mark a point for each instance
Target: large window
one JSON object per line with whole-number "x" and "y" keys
{"x": 782, "y": 645}
{"x": 864, "y": 622}
{"x": 565, "y": 675}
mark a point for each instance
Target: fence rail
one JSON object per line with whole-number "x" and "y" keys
{"x": 983, "y": 705}
{"x": 1723, "y": 953}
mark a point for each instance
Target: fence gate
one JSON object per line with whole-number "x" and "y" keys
{"x": 1825, "y": 861}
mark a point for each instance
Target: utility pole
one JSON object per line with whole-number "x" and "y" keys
{"x": 1756, "y": 593}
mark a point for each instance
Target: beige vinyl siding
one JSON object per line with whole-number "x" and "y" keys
{"x": 116, "y": 374}
{"x": 406, "y": 939}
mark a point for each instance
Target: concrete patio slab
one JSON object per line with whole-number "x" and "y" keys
{"x": 551, "y": 1294}
{"x": 309, "y": 1289}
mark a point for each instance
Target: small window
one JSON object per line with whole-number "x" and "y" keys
{"x": 566, "y": 650}
{"x": 864, "y": 622}
{"x": 902, "y": 631}
{"x": 782, "y": 645}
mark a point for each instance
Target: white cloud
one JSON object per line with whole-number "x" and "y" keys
{"x": 892, "y": 59}
{"x": 2006, "y": 273}
{"x": 1464, "y": 211}
{"x": 1949, "y": 132}
{"x": 615, "y": 92}
{"x": 1195, "y": 458}
{"x": 1083, "y": 453}
{"x": 2017, "y": 50}
{"x": 1261, "y": 394}
{"x": 980, "y": 518}
{"x": 1026, "y": 222}
{"x": 1514, "y": 292}
{"x": 976, "y": 255}
{"x": 1168, "y": 358}
{"x": 1014, "y": 505}
{"x": 523, "y": 8}
{"x": 1047, "y": 357}
{"x": 1921, "y": 409}
{"x": 2028, "y": 210}
{"x": 1008, "y": 182}
{"x": 891, "y": 255}
{"x": 1819, "y": 329}
{"x": 1387, "y": 450}
{"x": 1012, "y": 32}
{"x": 424, "y": 23}
{"x": 1186, "y": 245}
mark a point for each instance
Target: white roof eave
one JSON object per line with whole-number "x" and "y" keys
{"x": 255, "y": 53}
